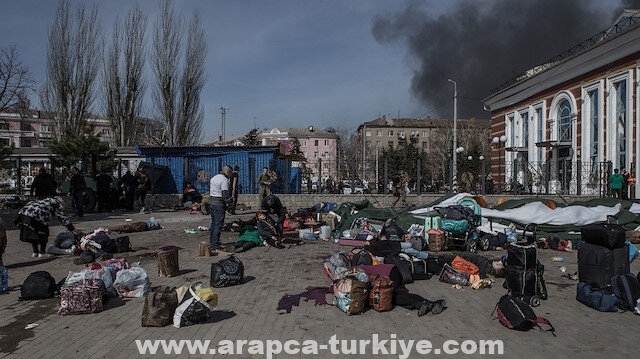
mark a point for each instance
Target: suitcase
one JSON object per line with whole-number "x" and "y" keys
{"x": 607, "y": 235}
{"x": 597, "y": 264}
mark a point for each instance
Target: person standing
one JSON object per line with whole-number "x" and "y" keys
{"x": 128, "y": 184}
{"x": 3, "y": 240}
{"x": 615, "y": 183}
{"x": 625, "y": 184}
{"x": 219, "y": 199}
{"x": 77, "y": 190}
{"x": 143, "y": 185}
{"x": 103, "y": 185}
{"x": 44, "y": 184}
{"x": 265, "y": 185}
{"x": 235, "y": 188}
{"x": 33, "y": 222}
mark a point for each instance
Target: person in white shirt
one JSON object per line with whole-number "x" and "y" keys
{"x": 219, "y": 198}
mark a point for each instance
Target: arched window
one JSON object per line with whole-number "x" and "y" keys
{"x": 564, "y": 121}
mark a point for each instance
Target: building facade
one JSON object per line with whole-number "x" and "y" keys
{"x": 562, "y": 127}
{"x": 319, "y": 148}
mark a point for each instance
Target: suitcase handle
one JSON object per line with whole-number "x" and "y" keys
{"x": 531, "y": 227}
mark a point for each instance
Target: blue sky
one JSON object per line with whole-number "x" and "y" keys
{"x": 296, "y": 63}
{"x": 281, "y": 63}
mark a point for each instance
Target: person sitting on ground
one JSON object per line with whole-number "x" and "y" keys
{"x": 191, "y": 197}
{"x": 558, "y": 244}
{"x": 274, "y": 209}
{"x": 269, "y": 232}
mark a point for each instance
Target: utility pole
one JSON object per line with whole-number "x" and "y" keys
{"x": 454, "y": 179}
{"x": 224, "y": 113}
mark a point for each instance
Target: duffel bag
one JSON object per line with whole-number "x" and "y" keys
{"x": 159, "y": 307}
{"x": 607, "y": 235}
{"x": 453, "y": 276}
{"x": 602, "y": 300}
{"x": 381, "y": 293}
{"x": 350, "y": 294}
{"x": 81, "y": 299}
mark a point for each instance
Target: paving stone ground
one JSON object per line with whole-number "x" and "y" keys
{"x": 248, "y": 311}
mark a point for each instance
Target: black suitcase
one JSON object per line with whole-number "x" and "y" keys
{"x": 607, "y": 235}
{"x": 522, "y": 256}
{"x": 597, "y": 264}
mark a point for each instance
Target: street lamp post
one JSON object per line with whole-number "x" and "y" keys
{"x": 499, "y": 142}
{"x": 454, "y": 177}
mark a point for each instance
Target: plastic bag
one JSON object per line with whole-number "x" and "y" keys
{"x": 132, "y": 282}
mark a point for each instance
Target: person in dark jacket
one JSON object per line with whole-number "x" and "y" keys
{"x": 277, "y": 212}
{"x": 33, "y": 222}
{"x": 105, "y": 191}
{"x": 143, "y": 185}
{"x": 77, "y": 190}
{"x": 128, "y": 184}
{"x": 44, "y": 185}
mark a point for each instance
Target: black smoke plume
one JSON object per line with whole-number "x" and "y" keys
{"x": 481, "y": 44}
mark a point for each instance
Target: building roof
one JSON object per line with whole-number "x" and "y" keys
{"x": 384, "y": 122}
{"x": 297, "y": 132}
{"x": 627, "y": 21}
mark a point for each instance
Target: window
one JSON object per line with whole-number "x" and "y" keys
{"x": 401, "y": 134}
{"x": 4, "y": 142}
{"x": 390, "y": 144}
{"x": 367, "y": 143}
{"x": 424, "y": 144}
{"x": 512, "y": 129}
{"x": 379, "y": 133}
{"x": 540, "y": 129}
{"x": 325, "y": 154}
{"x": 105, "y": 132}
{"x": 414, "y": 133}
{"x": 315, "y": 154}
{"x": 564, "y": 121}
{"x": 367, "y": 133}
{"x": 593, "y": 125}
{"x": 326, "y": 142}
{"x": 303, "y": 143}
{"x": 315, "y": 143}
{"x": 25, "y": 142}
{"x": 4, "y": 126}
{"x": 45, "y": 128}
{"x": 378, "y": 144}
{"x": 26, "y": 127}
{"x": 42, "y": 143}
{"x": 525, "y": 128}
{"x": 425, "y": 133}
{"x": 621, "y": 121}
{"x": 390, "y": 133}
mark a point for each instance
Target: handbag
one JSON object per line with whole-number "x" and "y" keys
{"x": 453, "y": 276}
{"x": 464, "y": 265}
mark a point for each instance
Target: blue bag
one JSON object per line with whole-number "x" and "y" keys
{"x": 603, "y": 300}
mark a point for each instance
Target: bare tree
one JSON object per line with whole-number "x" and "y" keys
{"x": 73, "y": 58}
{"x": 123, "y": 80}
{"x": 165, "y": 61}
{"x": 15, "y": 79}
{"x": 189, "y": 125}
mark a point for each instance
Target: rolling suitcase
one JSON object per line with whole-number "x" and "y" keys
{"x": 597, "y": 264}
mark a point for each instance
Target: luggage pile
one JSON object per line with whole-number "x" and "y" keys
{"x": 360, "y": 281}
{"x": 604, "y": 270}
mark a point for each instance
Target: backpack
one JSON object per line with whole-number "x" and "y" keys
{"x": 38, "y": 285}
{"x": 516, "y": 314}
{"x": 381, "y": 293}
{"x": 227, "y": 272}
{"x": 627, "y": 289}
{"x": 363, "y": 258}
{"x": 159, "y": 307}
{"x": 403, "y": 266}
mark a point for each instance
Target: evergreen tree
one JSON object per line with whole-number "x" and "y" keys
{"x": 251, "y": 138}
